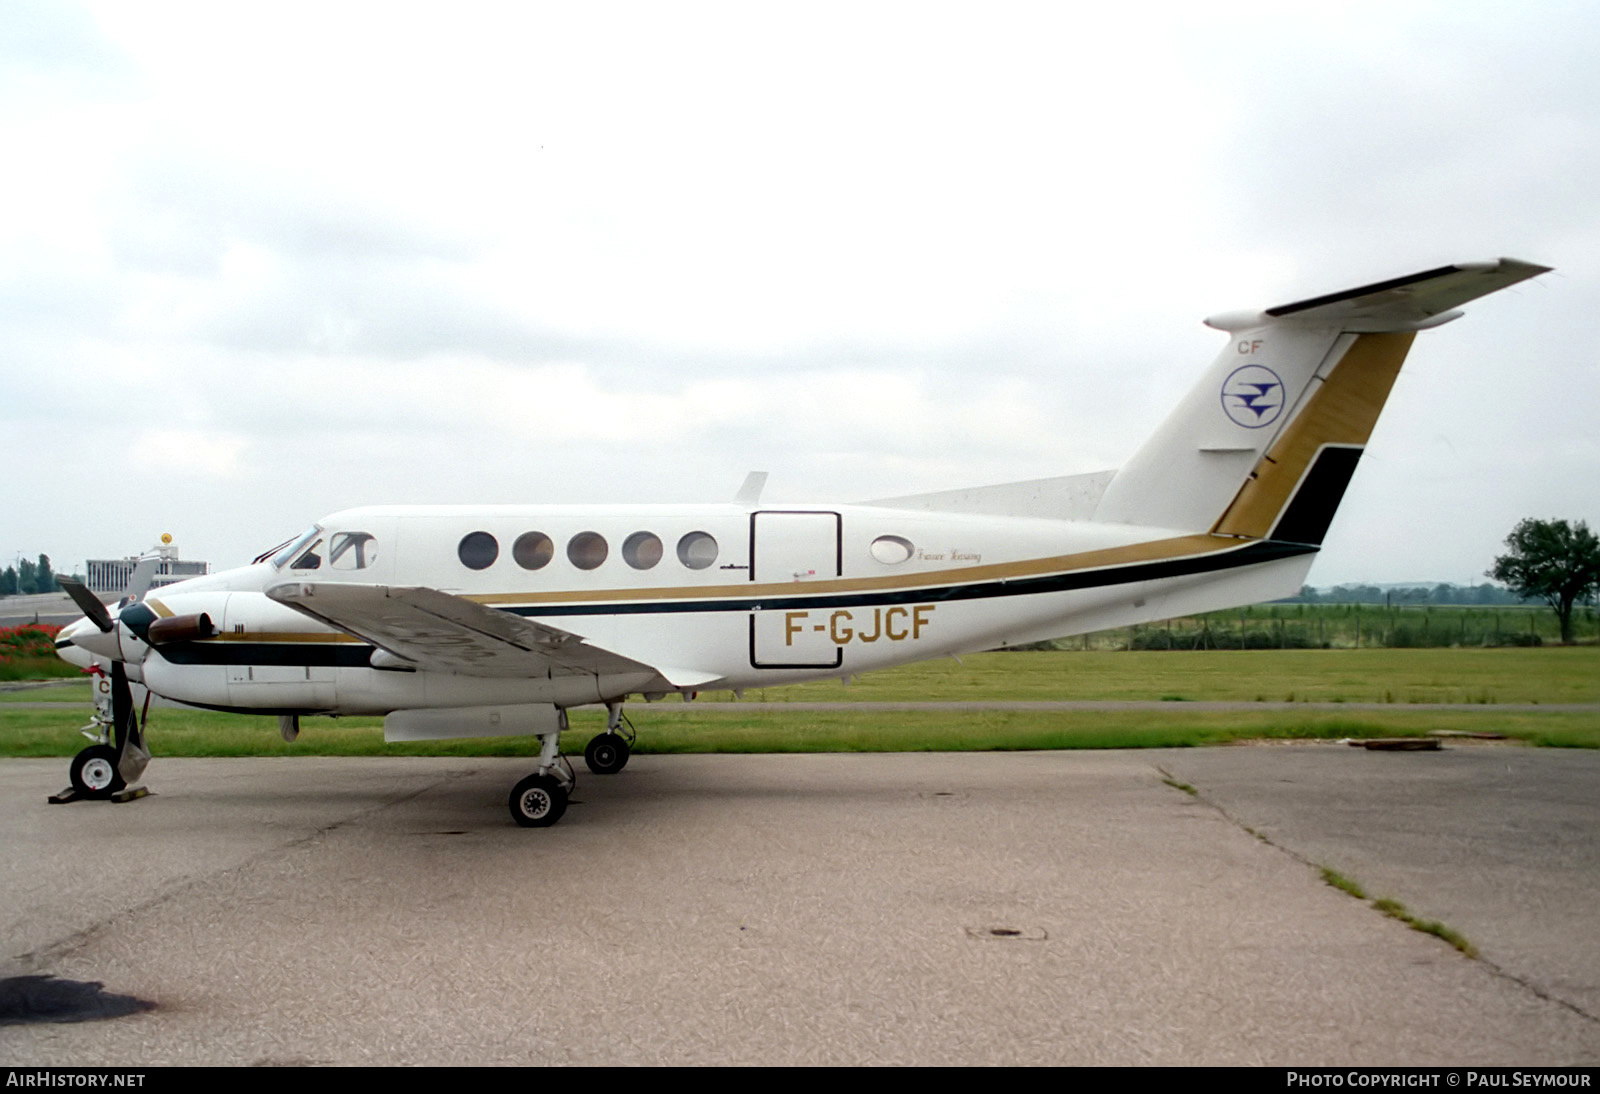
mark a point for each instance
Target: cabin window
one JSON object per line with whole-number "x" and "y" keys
{"x": 309, "y": 559}
{"x": 586, "y": 550}
{"x": 891, "y": 550}
{"x": 478, "y": 550}
{"x": 533, "y": 550}
{"x": 352, "y": 550}
{"x": 697, "y": 550}
{"x": 642, "y": 550}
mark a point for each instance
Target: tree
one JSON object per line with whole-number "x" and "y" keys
{"x": 44, "y": 578}
{"x": 1553, "y": 561}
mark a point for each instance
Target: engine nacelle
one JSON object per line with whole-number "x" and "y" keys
{"x": 181, "y": 628}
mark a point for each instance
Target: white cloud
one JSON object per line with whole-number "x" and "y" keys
{"x": 339, "y": 254}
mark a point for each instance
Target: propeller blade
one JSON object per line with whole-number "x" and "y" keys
{"x": 144, "y": 571}
{"x": 87, "y": 602}
{"x": 122, "y": 716}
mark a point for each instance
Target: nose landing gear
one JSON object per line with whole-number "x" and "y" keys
{"x": 104, "y": 770}
{"x": 94, "y": 772}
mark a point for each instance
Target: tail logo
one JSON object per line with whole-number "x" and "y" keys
{"x": 1252, "y": 396}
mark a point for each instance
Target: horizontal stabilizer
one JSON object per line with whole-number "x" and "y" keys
{"x": 1414, "y": 302}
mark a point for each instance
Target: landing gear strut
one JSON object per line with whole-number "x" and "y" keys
{"x": 607, "y": 753}
{"x": 118, "y": 757}
{"x": 539, "y": 800}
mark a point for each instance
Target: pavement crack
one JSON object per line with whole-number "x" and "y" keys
{"x": 1323, "y": 870}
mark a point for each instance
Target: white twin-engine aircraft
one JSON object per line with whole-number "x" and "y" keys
{"x": 461, "y": 621}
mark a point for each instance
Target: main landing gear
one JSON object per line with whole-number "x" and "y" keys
{"x": 607, "y": 753}
{"x": 539, "y": 800}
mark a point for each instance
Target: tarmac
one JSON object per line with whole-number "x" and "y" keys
{"x": 1134, "y": 907}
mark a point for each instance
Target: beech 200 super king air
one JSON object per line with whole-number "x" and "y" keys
{"x": 462, "y": 621}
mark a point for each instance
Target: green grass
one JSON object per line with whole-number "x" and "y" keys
{"x": 67, "y": 691}
{"x": 1545, "y": 675}
{"x": 198, "y": 733}
{"x": 1343, "y": 884}
{"x": 1396, "y": 910}
{"x": 35, "y": 668}
{"x": 1483, "y": 678}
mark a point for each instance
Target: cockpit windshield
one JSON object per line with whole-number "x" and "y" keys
{"x": 283, "y": 556}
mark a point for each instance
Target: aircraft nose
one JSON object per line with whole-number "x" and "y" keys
{"x": 84, "y": 636}
{"x": 69, "y": 651}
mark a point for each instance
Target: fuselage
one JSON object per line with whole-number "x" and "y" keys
{"x": 713, "y": 596}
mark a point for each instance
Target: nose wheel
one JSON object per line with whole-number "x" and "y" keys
{"x": 94, "y": 772}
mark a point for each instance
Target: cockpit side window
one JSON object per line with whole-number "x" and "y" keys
{"x": 352, "y": 550}
{"x": 294, "y": 549}
{"x": 309, "y": 559}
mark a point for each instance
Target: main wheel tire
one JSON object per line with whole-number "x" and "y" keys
{"x": 94, "y": 772}
{"x": 538, "y": 801}
{"x": 606, "y": 754}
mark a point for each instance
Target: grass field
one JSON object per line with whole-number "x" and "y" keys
{"x": 1486, "y": 678}
{"x": 1347, "y": 626}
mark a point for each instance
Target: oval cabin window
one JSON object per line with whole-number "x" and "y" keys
{"x": 533, "y": 550}
{"x": 587, "y": 550}
{"x": 891, "y": 550}
{"x": 697, "y": 550}
{"x": 642, "y": 550}
{"x": 478, "y": 550}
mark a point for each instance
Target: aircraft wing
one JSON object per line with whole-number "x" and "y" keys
{"x": 439, "y": 632}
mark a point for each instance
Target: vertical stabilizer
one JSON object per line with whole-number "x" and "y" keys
{"x": 1265, "y": 444}
{"x": 1192, "y": 467}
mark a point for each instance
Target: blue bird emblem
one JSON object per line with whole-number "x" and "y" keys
{"x": 1252, "y": 396}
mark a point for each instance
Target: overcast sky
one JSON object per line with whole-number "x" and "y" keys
{"x": 264, "y": 262}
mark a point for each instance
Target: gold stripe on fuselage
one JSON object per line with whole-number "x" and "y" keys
{"x": 1159, "y": 550}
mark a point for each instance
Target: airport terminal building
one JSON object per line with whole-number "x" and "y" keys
{"x": 111, "y": 575}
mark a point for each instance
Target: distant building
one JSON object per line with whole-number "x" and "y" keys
{"x": 111, "y": 575}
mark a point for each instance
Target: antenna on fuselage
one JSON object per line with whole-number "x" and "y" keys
{"x": 750, "y": 492}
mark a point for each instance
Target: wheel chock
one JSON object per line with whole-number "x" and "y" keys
{"x": 127, "y": 794}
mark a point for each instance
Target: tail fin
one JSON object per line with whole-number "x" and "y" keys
{"x": 1265, "y": 444}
